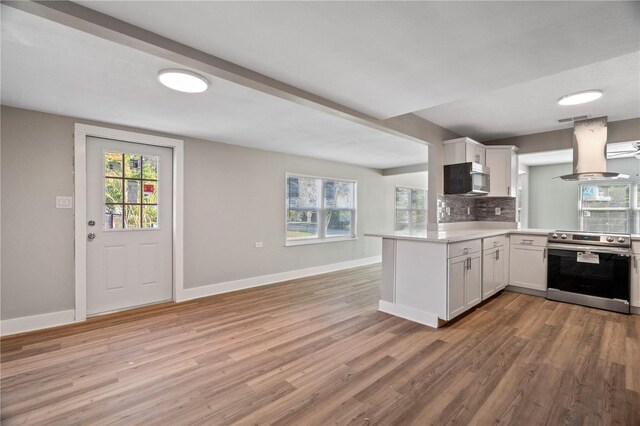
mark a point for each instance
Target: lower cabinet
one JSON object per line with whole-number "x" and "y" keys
{"x": 528, "y": 262}
{"x": 493, "y": 271}
{"x": 465, "y": 288}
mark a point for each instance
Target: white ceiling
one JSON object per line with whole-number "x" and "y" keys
{"x": 487, "y": 70}
{"x": 532, "y": 107}
{"x": 53, "y": 68}
{"x": 483, "y": 69}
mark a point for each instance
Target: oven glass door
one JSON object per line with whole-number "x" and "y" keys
{"x": 599, "y": 274}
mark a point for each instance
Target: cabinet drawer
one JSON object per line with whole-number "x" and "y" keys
{"x": 489, "y": 243}
{"x": 529, "y": 240}
{"x": 464, "y": 248}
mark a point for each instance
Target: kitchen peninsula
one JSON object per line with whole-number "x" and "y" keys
{"x": 431, "y": 277}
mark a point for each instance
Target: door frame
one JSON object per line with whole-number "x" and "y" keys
{"x": 81, "y": 132}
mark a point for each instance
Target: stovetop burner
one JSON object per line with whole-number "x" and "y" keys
{"x": 590, "y": 238}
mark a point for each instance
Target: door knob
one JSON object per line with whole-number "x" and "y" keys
{"x": 91, "y": 236}
{"x": 91, "y": 223}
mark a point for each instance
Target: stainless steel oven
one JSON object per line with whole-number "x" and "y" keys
{"x": 590, "y": 269}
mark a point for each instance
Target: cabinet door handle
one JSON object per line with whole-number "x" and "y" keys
{"x": 635, "y": 262}
{"x": 497, "y": 254}
{"x": 508, "y": 190}
{"x": 544, "y": 254}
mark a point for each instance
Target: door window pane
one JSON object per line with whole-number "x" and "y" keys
{"x": 149, "y": 167}
{"x": 131, "y": 216}
{"x": 132, "y": 166}
{"x": 132, "y": 188}
{"x": 149, "y": 216}
{"x": 112, "y": 216}
{"x": 112, "y": 190}
{"x": 149, "y": 192}
{"x": 113, "y": 164}
{"x": 131, "y": 202}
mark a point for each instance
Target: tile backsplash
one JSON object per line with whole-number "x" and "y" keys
{"x": 456, "y": 208}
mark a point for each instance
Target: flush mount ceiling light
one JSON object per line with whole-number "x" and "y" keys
{"x": 183, "y": 80}
{"x": 580, "y": 97}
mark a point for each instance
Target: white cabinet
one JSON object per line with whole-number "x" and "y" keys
{"x": 457, "y": 275}
{"x": 464, "y": 277}
{"x": 464, "y": 150}
{"x": 503, "y": 165}
{"x": 493, "y": 266}
{"x": 635, "y": 276}
{"x": 528, "y": 262}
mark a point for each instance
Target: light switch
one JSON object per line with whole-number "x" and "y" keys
{"x": 258, "y": 244}
{"x": 64, "y": 202}
{"x": 498, "y": 211}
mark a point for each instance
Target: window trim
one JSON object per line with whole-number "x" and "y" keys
{"x": 409, "y": 210}
{"x": 321, "y": 238}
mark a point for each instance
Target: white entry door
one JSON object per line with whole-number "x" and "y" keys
{"x": 129, "y": 225}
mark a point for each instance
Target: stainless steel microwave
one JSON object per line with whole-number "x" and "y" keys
{"x": 466, "y": 179}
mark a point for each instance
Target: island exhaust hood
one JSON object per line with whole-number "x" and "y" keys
{"x": 590, "y": 151}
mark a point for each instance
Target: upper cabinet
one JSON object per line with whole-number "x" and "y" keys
{"x": 503, "y": 164}
{"x": 464, "y": 150}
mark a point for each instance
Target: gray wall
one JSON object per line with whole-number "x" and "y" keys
{"x": 617, "y": 131}
{"x": 234, "y": 196}
{"x": 553, "y": 203}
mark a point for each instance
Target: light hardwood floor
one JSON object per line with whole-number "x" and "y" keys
{"x": 316, "y": 351}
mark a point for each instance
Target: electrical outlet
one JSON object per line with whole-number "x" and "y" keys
{"x": 468, "y": 210}
{"x": 258, "y": 244}
{"x": 448, "y": 210}
{"x": 63, "y": 202}
{"x": 498, "y": 211}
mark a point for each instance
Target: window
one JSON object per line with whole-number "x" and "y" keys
{"x": 606, "y": 208}
{"x": 130, "y": 191}
{"x": 320, "y": 209}
{"x": 411, "y": 209}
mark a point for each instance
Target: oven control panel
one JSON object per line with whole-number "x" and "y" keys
{"x": 591, "y": 238}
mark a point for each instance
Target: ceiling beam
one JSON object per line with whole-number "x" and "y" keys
{"x": 107, "y": 27}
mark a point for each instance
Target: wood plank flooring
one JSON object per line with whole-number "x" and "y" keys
{"x": 316, "y": 351}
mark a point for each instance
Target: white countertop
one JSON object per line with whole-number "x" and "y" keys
{"x": 455, "y": 235}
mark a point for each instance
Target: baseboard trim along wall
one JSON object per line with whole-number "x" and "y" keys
{"x": 36, "y": 322}
{"x": 225, "y": 287}
{"x": 54, "y": 319}
{"x": 409, "y": 313}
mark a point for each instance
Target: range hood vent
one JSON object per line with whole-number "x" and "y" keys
{"x": 590, "y": 151}
{"x": 571, "y": 119}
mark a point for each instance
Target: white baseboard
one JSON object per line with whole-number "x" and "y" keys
{"x": 225, "y": 287}
{"x": 408, "y": 313}
{"x": 36, "y": 322}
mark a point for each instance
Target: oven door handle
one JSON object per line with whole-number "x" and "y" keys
{"x": 590, "y": 249}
